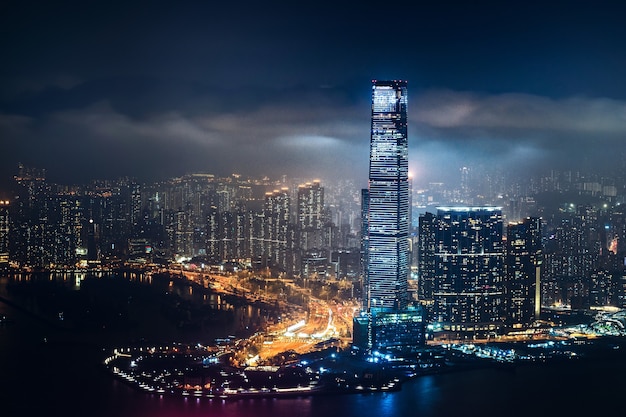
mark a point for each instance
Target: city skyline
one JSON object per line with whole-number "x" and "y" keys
{"x": 162, "y": 91}
{"x": 179, "y": 111}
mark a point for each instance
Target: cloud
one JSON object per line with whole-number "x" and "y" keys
{"x": 274, "y": 122}
{"x": 17, "y": 86}
{"x": 316, "y": 133}
{"x": 14, "y": 125}
{"x": 99, "y": 140}
{"x": 102, "y": 122}
{"x": 513, "y": 132}
{"x": 305, "y": 142}
{"x": 448, "y": 109}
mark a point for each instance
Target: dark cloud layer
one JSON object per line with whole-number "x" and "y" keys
{"x": 155, "y": 89}
{"x": 324, "y": 136}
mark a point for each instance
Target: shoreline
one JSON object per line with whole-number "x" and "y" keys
{"x": 70, "y": 335}
{"x": 333, "y": 381}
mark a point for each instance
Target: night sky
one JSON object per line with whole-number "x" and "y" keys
{"x": 103, "y": 89}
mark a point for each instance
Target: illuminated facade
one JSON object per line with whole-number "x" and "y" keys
{"x": 310, "y": 207}
{"x": 523, "y": 271}
{"x": 387, "y": 331}
{"x": 69, "y": 236}
{"x": 365, "y": 204}
{"x": 462, "y": 268}
{"x": 388, "y": 196}
{"x": 4, "y": 232}
{"x": 387, "y": 322}
{"x": 276, "y": 215}
{"x": 30, "y": 244}
{"x": 572, "y": 258}
{"x": 212, "y": 235}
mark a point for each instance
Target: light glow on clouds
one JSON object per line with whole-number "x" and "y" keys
{"x": 325, "y": 136}
{"x": 102, "y": 121}
{"x": 446, "y": 109}
{"x": 305, "y": 141}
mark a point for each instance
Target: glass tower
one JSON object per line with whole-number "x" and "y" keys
{"x": 388, "y": 196}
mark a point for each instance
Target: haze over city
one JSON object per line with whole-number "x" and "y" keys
{"x": 153, "y": 90}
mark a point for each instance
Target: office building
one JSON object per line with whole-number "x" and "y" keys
{"x": 388, "y": 209}
{"x": 390, "y": 330}
{"x": 387, "y": 322}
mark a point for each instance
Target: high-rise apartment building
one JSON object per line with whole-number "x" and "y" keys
{"x": 523, "y": 271}
{"x": 572, "y": 256}
{"x": 67, "y": 221}
{"x": 135, "y": 204}
{"x": 4, "y": 232}
{"x": 276, "y": 215}
{"x": 365, "y": 204}
{"x": 182, "y": 234}
{"x": 388, "y": 214}
{"x": 310, "y": 206}
{"x": 213, "y": 234}
{"x": 31, "y": 240}
{"x": 242, "y": 231}
{"x": 462, "y": 268}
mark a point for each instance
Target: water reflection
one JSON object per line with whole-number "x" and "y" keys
{"x": 74, "y": 279}
{"x": 134, "y": 304}
{"x": 74, "y": 385}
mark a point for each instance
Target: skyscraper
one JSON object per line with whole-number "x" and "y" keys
{"x": 365, "y": 206}
{"x": 310, "y": 206}
{"x": 388, "y": 214}
{"x": 4, "y": 233}
{"x": 523, "y": 271}
{"x": 276, "y": 211}
{"x": 388, "y": 322}
{"x": 462, "y": 268}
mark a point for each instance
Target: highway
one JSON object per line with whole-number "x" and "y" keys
{"x": 302, "y": 328}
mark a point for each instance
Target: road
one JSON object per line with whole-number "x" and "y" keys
{"x": 302, "y": 330}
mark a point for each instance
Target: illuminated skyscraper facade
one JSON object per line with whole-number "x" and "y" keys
{"x": 462, "y": 268}
{"x": 387, "y": 321}
{"x": 310, "y": 206}
{"x": 388, "y": 208}
{"x": 365, "y": 204}
{"x": 523, "y": 271}
{"x": 4, "y": 233}
{"x": 276, "y": 211}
